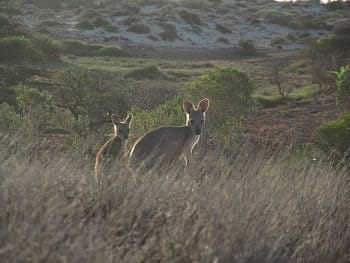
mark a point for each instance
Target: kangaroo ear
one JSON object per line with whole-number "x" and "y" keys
{"x": 115, "y": 119}
{"x": 187, "y": 107}
{"x": 128, "y": 119}
{"x": 203, "y": 105}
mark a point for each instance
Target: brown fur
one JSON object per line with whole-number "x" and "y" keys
{"x": 164, "y": 146}
{"x": 113, "y": 149}
{"x": 323, "y": 78}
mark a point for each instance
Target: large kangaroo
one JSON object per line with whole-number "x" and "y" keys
{"x": 165, "y": 145}
{"x": 115, "y": 147}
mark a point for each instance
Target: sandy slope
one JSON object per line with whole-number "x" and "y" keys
{"x": 205, "y": 35}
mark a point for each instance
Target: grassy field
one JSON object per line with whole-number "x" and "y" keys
{"x": 243, "y": 208}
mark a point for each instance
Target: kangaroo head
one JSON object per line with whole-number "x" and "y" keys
{"x": 196, "y": 116}
{"x": 121, "y": 128}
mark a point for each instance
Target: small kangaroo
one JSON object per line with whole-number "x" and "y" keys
{"x": 323, "y": 78}
{"x": 165, "y": 145}
{"x": 115, "y": 147}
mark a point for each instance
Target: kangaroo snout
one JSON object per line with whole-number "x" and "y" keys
{"x": 197, "y": 131}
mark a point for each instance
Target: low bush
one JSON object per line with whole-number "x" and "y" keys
{"x": 7, "y": 95}
{"x": 18, "y": 48}
{"x": 169, "y": 33}
{"x": 343, "y": 87}
{"x": 190, "y": 18}
{"x": 9, "y": 119}
{"x": 342, "y": 28}
{"x": 169, "y": 113}
{"x": 76, "y": 91}
{"x": 147, "y": 72}
{"x": 223, "y": 29}
{"x": 10, "y": 26}
{"x": 139, "y": 29}
{"x": 334, "y": 138}
{"x": 37, "y": 108}
{"x": 78, "y": 48}
{"x": 100, "y": 22}
{"x": 85, "y": 24}
{"x": 47, "y": 47}
{"x": 21, "y": 48}
{"x": 13, "y": 74}
{"x": 230, "y": 92}
{"x": 82, "y": 48}
{"x": 331, "y": 51}
{"x": 111, "y": 52}
{"x": 247, "y": 46}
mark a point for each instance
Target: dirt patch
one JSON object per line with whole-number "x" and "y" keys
{"x": 294, "y": 122}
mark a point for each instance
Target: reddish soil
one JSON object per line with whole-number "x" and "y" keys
{"x": 294, "y": 122}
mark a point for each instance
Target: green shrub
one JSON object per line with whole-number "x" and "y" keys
{"x": 7, "y": 95}
{"x": 111, "y": 52}
{"x": 9, "y": 119}
{"x": 169, "y": 33}
{"x": 85, "y": 24}
{"x": 223, "y": 29}
{"x": 79, "y": 93}
{"x": 229, "y": 92}
{"x": 333, "y": 138}
{"x": 9, "y": 26}
{"x": 139, "y": 29}
{"x": 87, "y": 14}
{"x": 169, "y": 113}
{"x": 343, "y": 86}
{"x": 147, "y": 72}
{"x": 247, "y": 46}
{"x": 18, "y": 48}
{"x": 78, "y": 48}
{"x": 13, "y": 74}
{"x": 190, "y": 18}
{"x": 100, "y": 22}
{"x": 47, "y": 47}
{"x": 37, "y": 108}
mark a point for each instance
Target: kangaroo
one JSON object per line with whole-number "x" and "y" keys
{"x": 165, "y": 145}
{"x": 115, "y": 147}
{"x": 323, "y": 78}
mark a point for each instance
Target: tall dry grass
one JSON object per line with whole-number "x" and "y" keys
{"x": 246, "y": 208}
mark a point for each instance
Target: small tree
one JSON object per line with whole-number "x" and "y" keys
{"x": 82, "y": 95}
{"x": 283, "y": 89}
{"x": 333, "y": 138}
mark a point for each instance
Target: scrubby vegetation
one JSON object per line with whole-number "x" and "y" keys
{"x": 334, "y": 138}
{"x": 247, "y": 46}
{"x": 244, "y": 208}
{"x": 269, "y": 181}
